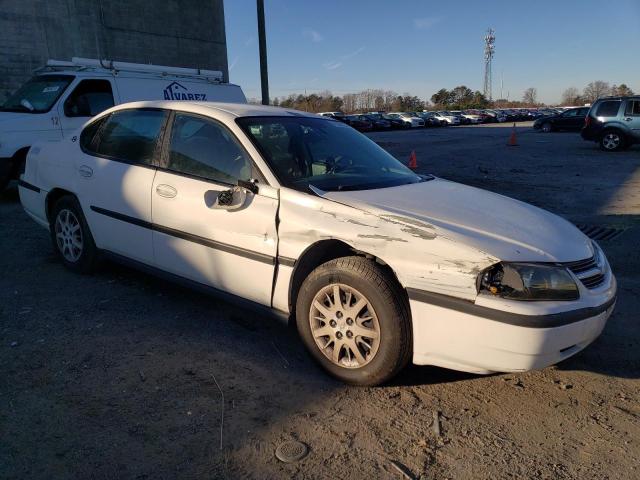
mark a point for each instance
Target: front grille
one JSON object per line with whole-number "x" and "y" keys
{"x": 587, "y": 271}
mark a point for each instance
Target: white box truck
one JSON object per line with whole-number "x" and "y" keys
{"x": 62, "y": 96}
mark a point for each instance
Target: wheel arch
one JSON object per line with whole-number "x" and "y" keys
{"x": 52, "y": 197}
{"x": 323, "y": 251}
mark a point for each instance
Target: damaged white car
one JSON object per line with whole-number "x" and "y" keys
{"x": 302, "y": 215}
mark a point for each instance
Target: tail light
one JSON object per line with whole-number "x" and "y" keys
{"x": 587, "y": 121}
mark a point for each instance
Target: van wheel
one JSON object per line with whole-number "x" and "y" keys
{"x": 612, "y": 141}
{"x": 71, "y": 237}
{"x": 353, "y": 320}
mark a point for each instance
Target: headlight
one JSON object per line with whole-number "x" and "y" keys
{"x": 528, "y": 281}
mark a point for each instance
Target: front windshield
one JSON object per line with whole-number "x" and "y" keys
{"x": 38, "y": 94}
{"x": 325, "y": 154}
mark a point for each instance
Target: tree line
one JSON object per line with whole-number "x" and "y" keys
{"x": 458, "y": 98}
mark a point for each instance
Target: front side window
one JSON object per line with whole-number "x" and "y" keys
{"x": 38, "y": 95}
{"x": 326, "y": 154}
{"x": 608, "y": 108}
{"x": 204, "y": 148}
{"x": 89, "y": 98}
{"x": 570, "y": 113}
{"x": 130, "y": 135}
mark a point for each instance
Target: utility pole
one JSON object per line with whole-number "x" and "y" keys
{"x": 489, "y": 49}
{"x": 262, "y": 42}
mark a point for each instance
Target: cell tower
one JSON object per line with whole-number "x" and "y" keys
{"x": 489, "y": 50}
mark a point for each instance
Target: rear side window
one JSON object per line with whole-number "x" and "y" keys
{"x": 608, "y": 108}
{"x": 89, "y": 98}
{"x": 204, "y": 148}
{"x": 129, "y": 135}
{"x": 633, "y": 107}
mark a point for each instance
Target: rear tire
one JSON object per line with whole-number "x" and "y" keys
{"x": 546, "y": 127}
{"x": 364, "y": 338}
{"x": 612, "y": 141}
{"x": 71, "y": 237}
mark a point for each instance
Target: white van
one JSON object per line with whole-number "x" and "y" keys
{"x": 62, "y": 96}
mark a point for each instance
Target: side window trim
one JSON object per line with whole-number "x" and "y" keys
{"x": 153, "y": 163}
{"x": 162, "y": 160}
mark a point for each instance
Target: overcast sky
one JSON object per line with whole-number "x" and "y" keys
{"x": 421, "y": 46}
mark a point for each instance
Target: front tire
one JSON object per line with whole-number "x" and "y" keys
{"x": 71, "y": 237}
{"x": 612, "y": 141}
{"x": 354, "y": 321}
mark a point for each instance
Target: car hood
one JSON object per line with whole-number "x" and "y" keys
{"x": 18, "y": 121}
{"x": 491, "y": 223}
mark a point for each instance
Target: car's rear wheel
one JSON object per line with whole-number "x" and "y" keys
{"x": 612, "y": 141}
{"x": 546, "y": 127}
{"x": 71, "y": 236}
{"x": 354, "y": 321}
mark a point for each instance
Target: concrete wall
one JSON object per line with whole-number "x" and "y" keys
{"x": 183, "y": 33}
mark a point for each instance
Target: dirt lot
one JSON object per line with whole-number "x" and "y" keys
{"x": 121, "y": 375}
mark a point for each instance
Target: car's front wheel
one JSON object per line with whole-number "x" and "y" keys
{"x": 612, "y": 141}
{"x": 354, "y": 321}
{"x": 71, "y": 236}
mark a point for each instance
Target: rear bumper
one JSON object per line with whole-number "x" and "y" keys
{"x": 466, "y": 340}
{"x": 590, "y": 133}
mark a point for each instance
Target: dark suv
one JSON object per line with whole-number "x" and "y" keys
{"x": 613, "y": 122}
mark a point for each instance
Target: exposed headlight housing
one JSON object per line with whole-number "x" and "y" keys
{"x": 528, "y": 282}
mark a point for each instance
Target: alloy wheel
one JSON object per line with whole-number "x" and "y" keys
{"x": 68, "y": 235}
{"x": 344, "y": 326}
{"x": 611, "y": 141}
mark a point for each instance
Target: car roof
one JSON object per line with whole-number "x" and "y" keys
{"x": 217, "y": 109}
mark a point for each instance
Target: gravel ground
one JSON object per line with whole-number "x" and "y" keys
{"x": 121, "y": 375}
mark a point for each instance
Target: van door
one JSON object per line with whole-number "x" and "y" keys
{"x": 86, "y": 99}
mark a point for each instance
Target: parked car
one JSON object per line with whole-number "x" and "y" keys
{"x": 496, "y": 115}
{"x": 613, "y": 122}
{"x": 463, "y": 120}
{"x": 472, "y": 116}
{"x": 378, "y": 122}
{"x": 376, "y": 265}
{"x": 336, "y": 115}
{"x": 409, "y": 118}
{"x": 450, "y": 118}
{"x": 61, "y": 96}
{"x": 358, "y": 122}
{"x": 396, "y": 123}
{"x": 430, "y": 120}
{"x": 571, "y": 120}
{"x": 443, "y": 121}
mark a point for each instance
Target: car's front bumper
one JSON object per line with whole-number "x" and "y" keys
{"x": 474, "y": 340}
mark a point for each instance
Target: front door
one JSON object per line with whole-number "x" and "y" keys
{"x": 231, "y": 250}
{"x": 87, "y": 99}
{"x": 114, "y": 177}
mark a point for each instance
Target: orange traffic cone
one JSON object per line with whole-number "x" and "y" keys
{"x": 512, "y": 139}
{"x": 413, "y": 161}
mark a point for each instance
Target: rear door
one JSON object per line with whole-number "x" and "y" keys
{"x": 632, "y": 118}
{"x": 231, "y": 250}
{"x": 86, "y": 99}
{"x": 115, "y": 174}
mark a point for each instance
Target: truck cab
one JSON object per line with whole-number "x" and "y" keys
{"x": 62, "y": 96}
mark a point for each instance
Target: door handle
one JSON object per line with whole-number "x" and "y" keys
{"x": 166, "y": 191}
{"x": 85, "y": 171}
{"x": 628, "y": 119}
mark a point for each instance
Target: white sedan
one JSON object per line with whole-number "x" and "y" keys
{"x": 408, "y": 118}
{"x": 308, "y": 219}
